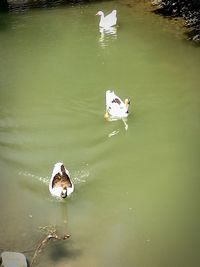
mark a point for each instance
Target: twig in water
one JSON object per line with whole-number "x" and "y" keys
{"x": 51, "y": 235}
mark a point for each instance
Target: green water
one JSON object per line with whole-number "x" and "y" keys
{"x": 136, "y": 199}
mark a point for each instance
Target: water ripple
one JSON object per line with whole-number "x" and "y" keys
{"x": 44, "y": 180}
{"x": 78, "y": 176}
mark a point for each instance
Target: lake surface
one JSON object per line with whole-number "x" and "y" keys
{"x": 136, "y": 199}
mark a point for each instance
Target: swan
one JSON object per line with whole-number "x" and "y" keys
{"x": 60, "y": 184}
{"x": 115, "y": 107}
{"x": 107, "y": 21}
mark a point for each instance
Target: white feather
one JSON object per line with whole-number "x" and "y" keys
{"x": 115, "y": 109}
{"x": 107, "y": 21}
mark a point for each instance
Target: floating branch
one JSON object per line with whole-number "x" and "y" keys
{"x": 51, "y": 234}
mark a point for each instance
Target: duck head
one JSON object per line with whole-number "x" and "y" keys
{"x": 106, "y": 115}
{"x": 127, "y": 102}
{"x": 100, "y": 13}
{"x": 64, "y": 193}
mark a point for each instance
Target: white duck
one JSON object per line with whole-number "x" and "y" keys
{"x": 60, "y": 184}
{"x": 107, "y": 21}
{"x": 115, "y": 107}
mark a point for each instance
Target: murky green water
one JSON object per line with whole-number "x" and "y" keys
{"x": 136, "y": 199}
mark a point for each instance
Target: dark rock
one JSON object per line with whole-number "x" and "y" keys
{"x": 188, "y": 9}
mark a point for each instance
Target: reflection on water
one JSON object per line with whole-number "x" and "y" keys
{"x": 115, "y": 132}
{"x": 125, "y": 124}
{"x": 64, "y": 214}
{"x": 107, "y": 35}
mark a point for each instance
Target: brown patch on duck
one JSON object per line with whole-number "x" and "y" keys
{"x": 61, "y": 180}
{"x": 116, "y": 100}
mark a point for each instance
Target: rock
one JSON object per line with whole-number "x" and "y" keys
{"x": 189, "y": 10}
{"x": 196, "y": 38}
{"x": 156, "y": 2}
{"x": 13, "y": 259}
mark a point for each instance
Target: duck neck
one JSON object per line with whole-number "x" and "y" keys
{"x": 127, "y": 106}
{"x": 127, "y": 103}
{"x": 101, "y": 20}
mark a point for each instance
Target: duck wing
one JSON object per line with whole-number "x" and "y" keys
{"x": 112, "y": 100}
{"x": 115, "y": 107}
{"x": 59, "y": 176}
{"x": 65, "y": 177}
{"x": 56, "y": 180}
{"x": 110, "y": 20}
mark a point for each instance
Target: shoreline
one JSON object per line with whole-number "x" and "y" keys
{"x": 183, "y": 16}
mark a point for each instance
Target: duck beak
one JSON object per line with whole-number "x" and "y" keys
{"x": 127, "y": 101}
{"x": 106, "y": 115}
